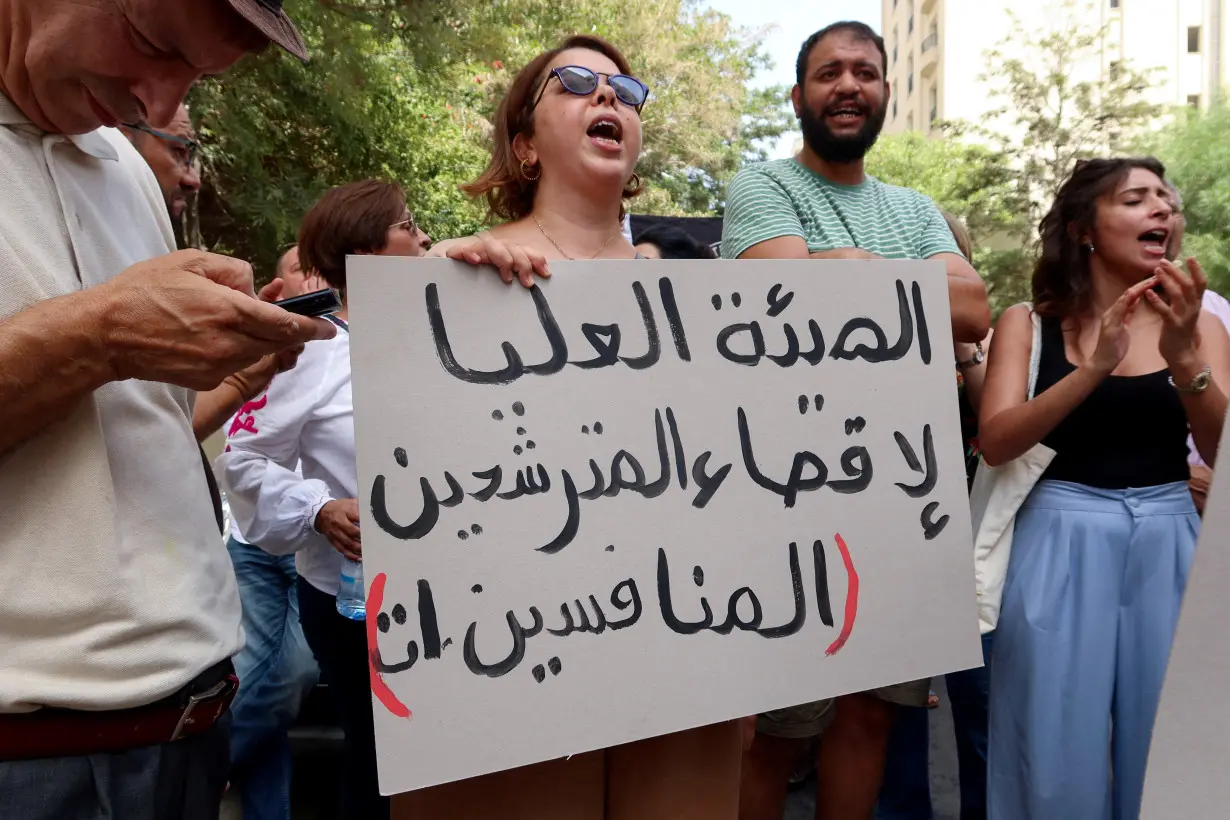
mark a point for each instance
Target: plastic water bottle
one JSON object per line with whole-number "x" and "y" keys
{"x": 351, "y": 597}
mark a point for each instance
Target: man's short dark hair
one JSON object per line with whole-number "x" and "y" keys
{"x": 861, "y": 32}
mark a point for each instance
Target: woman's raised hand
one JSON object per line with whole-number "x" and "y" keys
{"x": 1114, "y": 335}
{"x": 1180, "y": 310}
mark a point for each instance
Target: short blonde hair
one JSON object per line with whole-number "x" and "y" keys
{"x": 959, "y": 233}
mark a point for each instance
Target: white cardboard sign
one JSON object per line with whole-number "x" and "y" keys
{"x": 1186, "y": 777}
{"x": 649, "y": 496}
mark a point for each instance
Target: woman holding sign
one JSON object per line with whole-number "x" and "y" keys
{"x": 567, "y": 138}
{"x": 1104, "y": 542}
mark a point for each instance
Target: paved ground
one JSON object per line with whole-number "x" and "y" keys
{"x": 316, "y": 761}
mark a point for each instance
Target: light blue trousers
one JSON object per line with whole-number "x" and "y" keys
{"x": 1089, "y": 609}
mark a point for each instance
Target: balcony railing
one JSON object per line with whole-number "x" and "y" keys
{"x": 933, "y": 40}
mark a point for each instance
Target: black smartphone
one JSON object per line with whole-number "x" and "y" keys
{"x": 316, "y": 303}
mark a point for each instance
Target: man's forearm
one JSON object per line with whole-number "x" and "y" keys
{"x": 212, "y": 409}
{"x": 971, "y": 315}
{"x": 52, "y": 355}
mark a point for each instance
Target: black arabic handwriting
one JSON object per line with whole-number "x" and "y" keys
{"x": 855, "y": 463}
{"x": 879, "y": 353}
{"x": 911, "y": 458}
{"x": 606, "y": 340}
{"x": 582, "y": 622}
{"x": 626, "y": 474}
{"x": 734, "y": 620}
{"x": 745, "y": 612}
{"x": 756, "y": 349}
{"x": 517, "y": 654}
{"x": 515, "y": 368}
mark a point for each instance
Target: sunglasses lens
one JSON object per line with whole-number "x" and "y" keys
{"x": 578, "y": 80}
{"x": 629, "y": 91}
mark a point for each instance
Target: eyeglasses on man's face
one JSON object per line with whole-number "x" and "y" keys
{"x": 183, "y": 149}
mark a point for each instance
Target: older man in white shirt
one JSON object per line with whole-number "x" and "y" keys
{"x": 120, "y": 615}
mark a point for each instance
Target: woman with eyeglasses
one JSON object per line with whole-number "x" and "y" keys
{"x": 307, "y": 418}
{"x": 567, "y": 138}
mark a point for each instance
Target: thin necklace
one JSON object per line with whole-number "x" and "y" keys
{"x": 564, "y": 252}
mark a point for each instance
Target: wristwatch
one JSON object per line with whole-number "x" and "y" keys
{"x": 978, "y": 358}
{"x": 1198, "y": 385}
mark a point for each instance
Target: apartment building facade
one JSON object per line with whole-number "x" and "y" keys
{"x": 937, "y": 50}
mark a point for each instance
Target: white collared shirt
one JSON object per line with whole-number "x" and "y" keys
{"x": 117, "y": 590}
{"x": 306, "y": 418}
{"x": 1216, "y": 304}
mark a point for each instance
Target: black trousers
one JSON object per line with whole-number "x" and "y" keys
{"x": 340, "y": 647}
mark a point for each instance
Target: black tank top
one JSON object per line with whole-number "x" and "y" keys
{"x": 1130, "y": 432}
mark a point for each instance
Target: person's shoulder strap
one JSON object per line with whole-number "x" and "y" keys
{"x": 1035, "y": 348}
{"x": 215, "y": 494}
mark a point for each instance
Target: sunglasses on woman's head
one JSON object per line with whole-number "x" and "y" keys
{"x": 582, "y": 81}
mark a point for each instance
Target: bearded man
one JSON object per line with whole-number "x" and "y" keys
{"x": 821, "y": 204}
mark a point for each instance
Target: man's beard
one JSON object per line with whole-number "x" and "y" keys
{"x": 178, "y": 201}
{"x": 829, "y": 147}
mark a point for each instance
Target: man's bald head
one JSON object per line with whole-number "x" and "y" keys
{"x": 291, "y": 272}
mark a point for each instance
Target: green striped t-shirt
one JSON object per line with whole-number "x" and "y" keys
{"x": 785, "y": 198}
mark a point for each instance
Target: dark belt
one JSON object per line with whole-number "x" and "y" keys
{"x": 192, "y": 710}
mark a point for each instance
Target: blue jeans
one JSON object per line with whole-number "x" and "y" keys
{"x": 276, "y": 671}
{"x": 906, "y": 791}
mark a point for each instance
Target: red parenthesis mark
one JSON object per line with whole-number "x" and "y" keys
{"x": 375, "y": 599}
{"x": 847, "y": 623}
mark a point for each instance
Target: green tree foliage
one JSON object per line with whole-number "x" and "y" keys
{"x": 1197, "y": 156}
{"x": 278, "y": 133}
{"x": 1001, "y": 175}
{"x": 405, "y": 89}
{"x": 1057, "y": 103}
{"x": 975, "y": 183}
{"x": 702, "y": 122}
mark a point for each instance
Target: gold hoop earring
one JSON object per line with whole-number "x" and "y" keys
{"x": 525, "y": 171}
{"x": 635, "y": 182}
